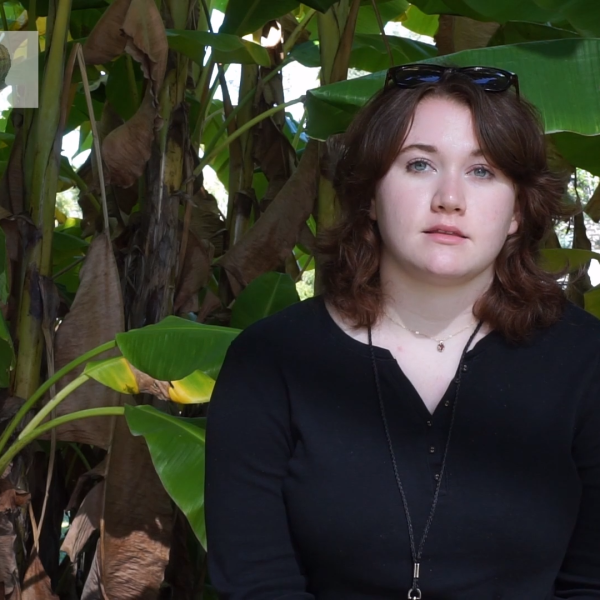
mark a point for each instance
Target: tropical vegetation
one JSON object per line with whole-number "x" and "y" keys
{"x": 114, "y": 323}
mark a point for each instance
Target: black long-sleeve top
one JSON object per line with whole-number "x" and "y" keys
{"x": 301, "y": 498}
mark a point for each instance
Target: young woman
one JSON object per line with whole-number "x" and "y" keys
{"x": 430, "y": 426}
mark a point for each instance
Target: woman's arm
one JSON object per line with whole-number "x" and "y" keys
{"x": 579, "y": 577}
{"x": 248, "y": 446}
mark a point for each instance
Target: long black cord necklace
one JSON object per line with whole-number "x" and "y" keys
{"x": 414, "y": 593}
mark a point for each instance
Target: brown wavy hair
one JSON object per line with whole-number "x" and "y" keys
{"x": 522, "y": 296}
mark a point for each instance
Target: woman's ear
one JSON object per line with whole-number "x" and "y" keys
{"x": 515, "y": 221}
{"x": 373, "y": 210}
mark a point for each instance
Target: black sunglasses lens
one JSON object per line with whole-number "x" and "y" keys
{"x": 412, "y": 76}
{"x": 488, "y": 78}
{"x": 491, "y": 80}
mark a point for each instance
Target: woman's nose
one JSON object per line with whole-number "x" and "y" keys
{"x": 449, "y": 195}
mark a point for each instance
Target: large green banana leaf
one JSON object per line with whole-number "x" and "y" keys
{"x": 264, "y": 296}
{"x": 490, "y": 10}
{"x": 561, "y": 77}
{"x": 177, "y": 449}
{"x": 391, "y": 10}
{"x": 418, "y": 22}
{"x": 433, "y": 7}
{"x": 572, "y": 259}
{"x": 592, "y": 301}
{"x": 175, "y": 347}
{"x": 227, "y": 48}
{"x": 519, "y": 32}
{"x": 583, "y": 15}
{"x": 369, "y": 52}
{"x": 248, "y": 16}
{"x": 42, "y": 6}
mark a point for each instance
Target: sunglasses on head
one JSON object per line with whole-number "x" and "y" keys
{"x": 489, "y": 79}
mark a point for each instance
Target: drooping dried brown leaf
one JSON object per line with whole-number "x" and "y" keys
{"x": 149, "y": 385}
{"x": 461, "y": 33}
{"x": 8, "y": 561}
{"x": 135, "y": 27}
{"x": 210, "y": 304}
{"x": 127, "y": 148}
{"x": 84, "y": 484}
{"x": 106, "y": 41}
{"x": 207, "y": 222}
{"x": 10, "y": 501}
{"x": 274, "y": 235}
{"x": 96, "y": 316}
{"x": 272, "y": 150}
{"x": 36, "y": 583}
{"x": 86, "y": 521}
{"x": 147, "y": 41}
{"x": 93, "y": 589}
{"x": 10, "y": 498}
{"x": 138, "y": 521}
{"x": 194, "y": 273}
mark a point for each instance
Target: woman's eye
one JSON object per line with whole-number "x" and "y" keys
{"x": 482, "y": 172}
{"x": 418, "y": 165}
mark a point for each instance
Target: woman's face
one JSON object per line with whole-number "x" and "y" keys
{"x": 443, "y": 210}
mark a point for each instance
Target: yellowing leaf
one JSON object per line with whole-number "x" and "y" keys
{"x": 114, "y": 373}
{"x": 196, "y": 388}
{"x": 60, "y": 216}
{"x": 40, "y": 24}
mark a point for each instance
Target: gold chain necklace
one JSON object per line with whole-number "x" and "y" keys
{"x": 440, "y": 342}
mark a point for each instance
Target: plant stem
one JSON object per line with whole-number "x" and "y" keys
{"x": 82, "y": 185}
{"x": 241, "y": 105}
{"x": 299, "y": 131}
{"x": 96, "y": 137}
{"x": 4, "y": 19}
{"x": 43, "y": 149}
{"x": 47, "y": 385}
{"x": 382, "y": 31}
{"x": 68, "y": 268}
{"x": 7, "y": 457}
{"x": 52, "y": 404}
{"x": 81, "y": 455}
{"x": 208, "y": 157}
{"x": 289, "y": 44}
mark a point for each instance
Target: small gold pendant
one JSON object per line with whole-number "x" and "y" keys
{"x": 441, "y": 347}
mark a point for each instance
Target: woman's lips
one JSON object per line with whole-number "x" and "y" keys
{"x": 446, "y": 235}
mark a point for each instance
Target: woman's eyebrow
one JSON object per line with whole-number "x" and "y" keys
{"x": 433, "y": 149}
{"x": 422, "y": 147}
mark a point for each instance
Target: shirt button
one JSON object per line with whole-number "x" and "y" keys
{"x": 432, "y": 450}
{"x": 465, "y": 368}
{"x": 437, "y": 476}
{"x": 447, "y": 403}
{"x": 429, "y": 423}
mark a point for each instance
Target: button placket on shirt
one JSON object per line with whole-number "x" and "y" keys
{"x": 436, "y": 435}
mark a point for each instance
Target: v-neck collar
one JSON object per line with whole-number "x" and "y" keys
{"x": 333, "y": 330}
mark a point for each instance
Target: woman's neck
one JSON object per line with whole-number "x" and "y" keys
{"x": 434, "y": 309}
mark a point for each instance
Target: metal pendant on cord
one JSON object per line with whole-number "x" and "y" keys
{"x": 414, "y": 593}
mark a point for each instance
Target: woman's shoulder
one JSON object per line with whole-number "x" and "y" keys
{"x": 298, "y": 323}
{"x": 577, "y": 331}
{"x": 577, "y": 319}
